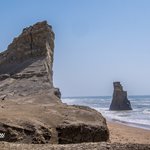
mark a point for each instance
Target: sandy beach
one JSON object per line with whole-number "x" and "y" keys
{"x": 122, "y": 133}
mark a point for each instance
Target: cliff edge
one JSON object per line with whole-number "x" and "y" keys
{"x": 30, "y": 107}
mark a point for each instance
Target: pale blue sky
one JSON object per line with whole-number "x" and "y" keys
{"x": 97, "y": 41}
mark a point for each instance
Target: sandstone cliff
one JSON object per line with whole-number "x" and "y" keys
{"x": 27, "y": 64}
{"x": 120, "y": 100}
{"x": 30, "y": 107}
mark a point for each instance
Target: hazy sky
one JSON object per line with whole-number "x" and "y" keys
{"x": 97, "y": 41}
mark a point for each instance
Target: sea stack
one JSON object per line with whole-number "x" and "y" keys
{"x": 30, "y": 107}
{"x": 120, "y": 100}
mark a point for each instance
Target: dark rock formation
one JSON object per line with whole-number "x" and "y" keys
{"x": 30, "y": 107}
{"x": 78, "y": 132}
{"x": 120, "y": 100}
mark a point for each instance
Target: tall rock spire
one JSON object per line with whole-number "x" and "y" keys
{"x": 29, "y": 57}
{"x": 120, "y": 100}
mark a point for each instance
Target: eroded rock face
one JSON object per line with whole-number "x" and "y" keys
{"x": 26, "y": 132}
{"x": 120, "y": 100}
{"x": 30, "y": 107}
{"x": 77, "y": 133}
{"x": 27, "y": 63}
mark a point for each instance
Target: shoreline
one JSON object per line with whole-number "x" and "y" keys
{"x": 135, "y": 125}
{"x": 124, "y": 133}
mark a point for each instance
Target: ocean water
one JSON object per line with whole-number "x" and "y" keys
{"x": 138, "y": 117}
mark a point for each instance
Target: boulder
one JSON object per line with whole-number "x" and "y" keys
{"x": 31, "y": 110}
{"x": 120, "y": 100}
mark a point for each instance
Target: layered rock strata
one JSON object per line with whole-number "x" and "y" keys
{"x": 120, "y": 100}
{"x": 30, "y": 107}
